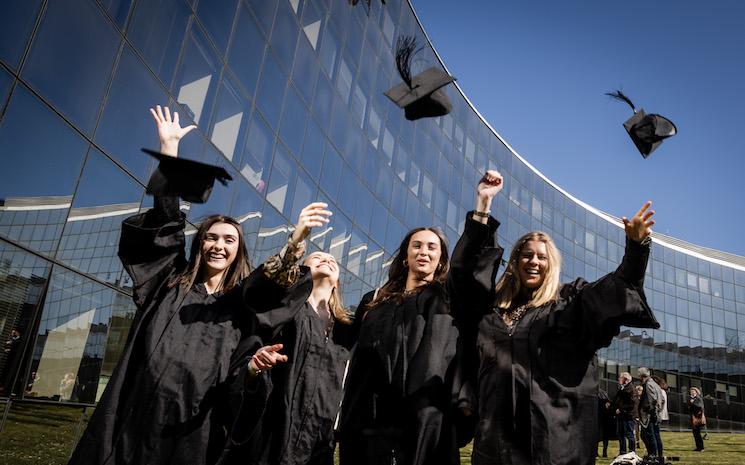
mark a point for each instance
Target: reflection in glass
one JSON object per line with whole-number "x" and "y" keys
{"x": 33, "y": 201}
{"x": 257, "y": 156}
{"x": 126, "y": 126}
{"x": 284, "y": 34}
{"x": 72, "y": 338}
{"x": 279, "y": 183}
{"x": 294, "y": 117}
{"x": 230, "y": 120}
{"x": 312, "y": 22}
{"x": 105, "y": 197}
{"x": 22, "y": 280}
{"x": 71, "y": 58}
{"x": 247, "y": 210}
{"x": 196, "y": 79}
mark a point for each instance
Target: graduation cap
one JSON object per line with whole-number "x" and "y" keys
{"x": 646, "y": 130}
{"x": 191, "y": 180}
{"x": 420, "y": 96}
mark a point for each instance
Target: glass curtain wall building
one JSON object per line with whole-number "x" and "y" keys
{"x": 288, "y": 96}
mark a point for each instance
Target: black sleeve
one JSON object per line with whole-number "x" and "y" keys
{"x": 617, "y": 299}
{"x": 152, "y": 245}
{"x": 473, "y": 269}
{"x": 273, "y": 304}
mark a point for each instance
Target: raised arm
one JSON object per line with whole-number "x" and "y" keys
{"x": 617, "y": 299}
{"x": 152, "y": 243}
{"x": 476, "y": 256}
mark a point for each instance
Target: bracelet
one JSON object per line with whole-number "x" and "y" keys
{"x": 647, "y": 240}
{"x": 481, "y": 214}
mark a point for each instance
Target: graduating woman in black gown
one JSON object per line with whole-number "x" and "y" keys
{"x": 298, "y": 401}
{"x": 535, "y": 340}
{"x": 164, "y": 402}
{"x": 400, "y": 400}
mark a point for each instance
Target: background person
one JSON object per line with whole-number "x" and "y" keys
{"x": 695, "y": 405}
{"x": 625, "y": 414}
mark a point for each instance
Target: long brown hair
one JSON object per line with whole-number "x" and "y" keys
{"x": 398, "y": 272}
{"x": 335, "y": 303}
{"x": 239, "y": 269}
{"x": 509, "y": 286}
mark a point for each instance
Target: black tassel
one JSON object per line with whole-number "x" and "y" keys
{"x": 405, "y": 51}
{"x": 618, "y": 95}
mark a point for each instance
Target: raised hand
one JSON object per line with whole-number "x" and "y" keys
{"x": 488, "y": 187}
{"x": 312, "y": 216}
{"x": 170, "y": 131}
{"x": 266, "y": 358}
{"x": 490, "y": 184}
{"x": 639, "y": 226}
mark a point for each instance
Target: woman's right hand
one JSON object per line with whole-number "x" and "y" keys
{"x": 265, "y": 359}
{"x": 170, "y": 131}
{"x": 312, "y": 216}
{"x": 489, "y": 186}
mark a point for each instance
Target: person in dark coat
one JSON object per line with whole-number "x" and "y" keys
{"x": 625, "y": 408}
{"x": 164, "y": 401}
{"x": 606, "y": 420}
{"x": 695, "y": 405}
{"x": 537, "y": 376}
{"x": 300, "y": 397}
{"x": 401, "y": 397}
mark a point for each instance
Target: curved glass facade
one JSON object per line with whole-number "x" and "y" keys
{"x": 288, "y": 96}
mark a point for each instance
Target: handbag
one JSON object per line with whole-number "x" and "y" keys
{"x": 698, "y": 420}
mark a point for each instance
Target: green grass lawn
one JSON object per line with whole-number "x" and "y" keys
{"x": 43, "y": 434}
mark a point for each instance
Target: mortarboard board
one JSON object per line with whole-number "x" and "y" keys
{"x": 647, "y": 131}
{"x": 420, "y": 96}
{"x": 191, "y": 180}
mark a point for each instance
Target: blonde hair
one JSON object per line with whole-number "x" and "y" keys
{"x": 509, "y": 286}
{"x": 335, "y": 303}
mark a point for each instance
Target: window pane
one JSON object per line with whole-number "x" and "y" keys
{"x": 246, "y": 50}
{"x": 196, "y": 79}
{"x": 271, "y": 90}
{"x": 126, "y": 125}
{"x": 285, "y": 34}
{"x": 71, "y": 58}
{"x": 72, "y": 338}
{"x": 257, "y": 156}
{"x": 231, "y": 121}
{"x": 17, "y": 19}
{"x": 294, "y": 117}
{"x": 22, "y": 280}
{"x": 104, "y": 197}
{"x": 157, "y": 30}
{"x": 217, "y": 17}
{"x": 35, "y": 201}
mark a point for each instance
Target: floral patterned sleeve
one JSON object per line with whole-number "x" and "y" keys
{"x": 283, "y": 268}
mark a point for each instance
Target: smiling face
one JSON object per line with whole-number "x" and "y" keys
{"x": 219, "y": 248}
{"x": 532, "y": 265}
{"x": 323, "y": 265}
{"x": 423, "y": 254}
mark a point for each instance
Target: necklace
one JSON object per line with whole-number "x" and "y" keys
{"x": 512, "y": 317}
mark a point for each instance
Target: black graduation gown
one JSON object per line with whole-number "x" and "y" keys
{"x": 537, "y": 382}
{"x": 401, "y": 395}
{"x": 163, "y": 402}
{"x": 296, "y": 402}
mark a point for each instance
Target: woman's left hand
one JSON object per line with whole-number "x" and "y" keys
{"x": 640, "y": 225}
{"x": 313, "y": 216}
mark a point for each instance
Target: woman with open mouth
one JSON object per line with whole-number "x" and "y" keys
{"x": 534, "y": 340}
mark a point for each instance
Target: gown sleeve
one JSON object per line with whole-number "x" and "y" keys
{"x": 277, "y": 289}
{"x": 152, "y": 245}
{"x": 473, "y": 269}
{"x": 599, "y": 309}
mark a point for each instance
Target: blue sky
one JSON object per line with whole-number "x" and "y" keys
{"x": 537, "y": 70}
